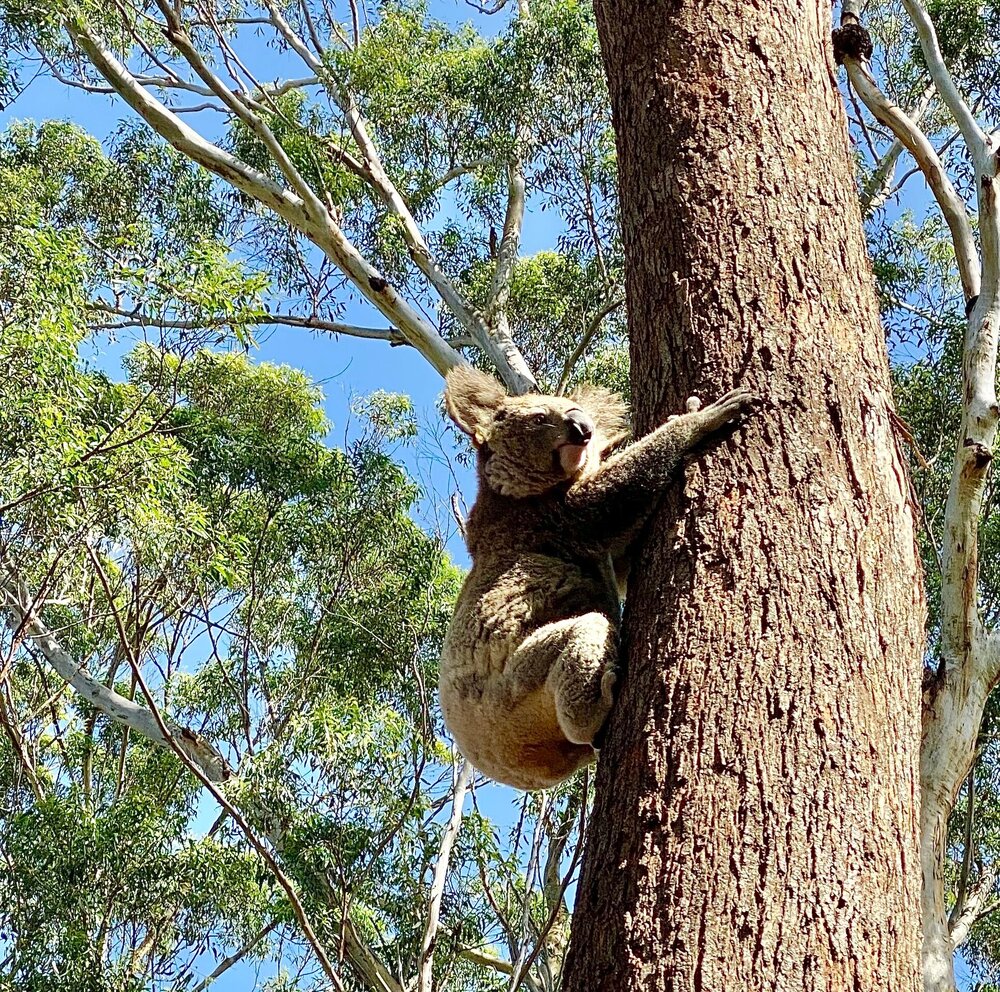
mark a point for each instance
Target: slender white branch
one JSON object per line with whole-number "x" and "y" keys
{"x": 314, "y": 222}
{"x": 916, "y": 143}
{"x": 227, "y": 962}
{"x": 499, "y": 346}
{"x": 879, "y": 185}
{"x": 280, "y": 89}
{"x": 133, "y": 318}
{"x": 955, "y": 102}
{"x": 979, "y": 898}
{"x": 239, "y": 106}
{"x": 17, "y": 604}
{"x": 461, "y": 170}
{"x": 510, "y": 241}
{"x": 487, "y": 960}
{"x": 426, "y": 965}
{"x": 592, "y": 328}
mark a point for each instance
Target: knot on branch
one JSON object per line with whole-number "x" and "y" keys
{"x": 979, "y": 457}
{"x": 202, "y": 751}
{"x": 852, "y": 41}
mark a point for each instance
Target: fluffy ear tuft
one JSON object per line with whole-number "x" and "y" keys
{"x": 610, "y": 413}
{"x": 471, "y": 398}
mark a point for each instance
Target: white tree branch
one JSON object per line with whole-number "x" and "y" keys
{"x": 498, "y": 346}
{"x": 17, "y": 603}
{"x": 916, "y": 143}
{"x": 315, "y": 222}
{"x": 461, "y": 170}
{"x": 133, "y": 318}
{"x": 978, "y": 901}
{"x": 592, "y": 328}
{"x": 955, "y": 102}
{"x": 487, "y": 960}
{"x": 227, "y": 962}
{"x": 879, "y": 185}
{"x": 425, "y": 967}
{"x": 507, "y": 255}
{"x": 510, "y": 240}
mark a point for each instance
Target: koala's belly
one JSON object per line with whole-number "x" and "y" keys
{"x": 520, "y": 745}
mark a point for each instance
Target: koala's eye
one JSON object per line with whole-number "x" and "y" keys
{"x": 539, "y": 418}
{"x": 500, "y": 415}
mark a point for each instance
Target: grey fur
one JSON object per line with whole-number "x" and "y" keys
{"x": 530, "y": 658}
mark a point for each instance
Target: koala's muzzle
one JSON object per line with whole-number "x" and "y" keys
{"x": 579, "y": 427}
{"x": 572, "y": 450}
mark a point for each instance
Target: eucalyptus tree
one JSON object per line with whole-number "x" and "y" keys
{"x": 217, "y": 743}
{"x": 926, "y": 78}
{"x": 379, "y": 157}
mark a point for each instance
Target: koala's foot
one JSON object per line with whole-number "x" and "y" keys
{"x": 583, "y": 677}
{"x": 607, "y": 691}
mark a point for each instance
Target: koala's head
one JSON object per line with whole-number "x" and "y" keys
{"x": 528, "y": 444}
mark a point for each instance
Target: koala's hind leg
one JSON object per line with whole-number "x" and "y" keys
{"x": 583, "y": 677}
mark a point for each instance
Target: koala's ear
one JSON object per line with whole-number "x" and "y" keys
{"x": 609, "y": 411}
{"x": 472, "y": 398}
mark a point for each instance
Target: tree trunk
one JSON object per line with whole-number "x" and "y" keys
{"x": 755, "y": 825}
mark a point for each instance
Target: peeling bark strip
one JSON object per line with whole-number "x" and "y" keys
{"x": 755, "y": 825}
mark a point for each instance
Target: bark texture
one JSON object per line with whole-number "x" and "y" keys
{"x": 756, "y": 817}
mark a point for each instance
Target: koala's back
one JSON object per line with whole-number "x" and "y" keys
{"x": 509, "y": 733}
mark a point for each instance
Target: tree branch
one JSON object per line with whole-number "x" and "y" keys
{"x": 916, "y": 143}
{"x": 133, "y": 318}
{"x": 227, "y": 962}
{"x": 879, "y": 185}
{"x": 425, "y": 967}
{"x": 311, "y": 219}
{"x": 498, "y": 346}
{"x": 592, "y": 328}
{"x": 971, "y": 131}
{"x": 963, "y": 881}
{"x": 977, "y": 903}
{"x": 14, "y": 599}
{"x": 477, "y": 956}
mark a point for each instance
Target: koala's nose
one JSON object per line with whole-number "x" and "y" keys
{"x": 579, "y": 429}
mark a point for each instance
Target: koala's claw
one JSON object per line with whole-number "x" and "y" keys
{"x": 608, "y": 681}
{"x": 729, "y": 406}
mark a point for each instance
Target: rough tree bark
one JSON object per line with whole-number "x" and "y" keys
{"x": 755, "y": 825}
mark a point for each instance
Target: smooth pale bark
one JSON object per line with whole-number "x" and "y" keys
{"x": 954, "y": 699}
{"x": 755, "y": 825}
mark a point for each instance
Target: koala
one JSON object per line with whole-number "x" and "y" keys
{"x": 530, "y": 659}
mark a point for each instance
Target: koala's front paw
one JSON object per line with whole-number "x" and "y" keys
{"x": 730, "y": 406}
